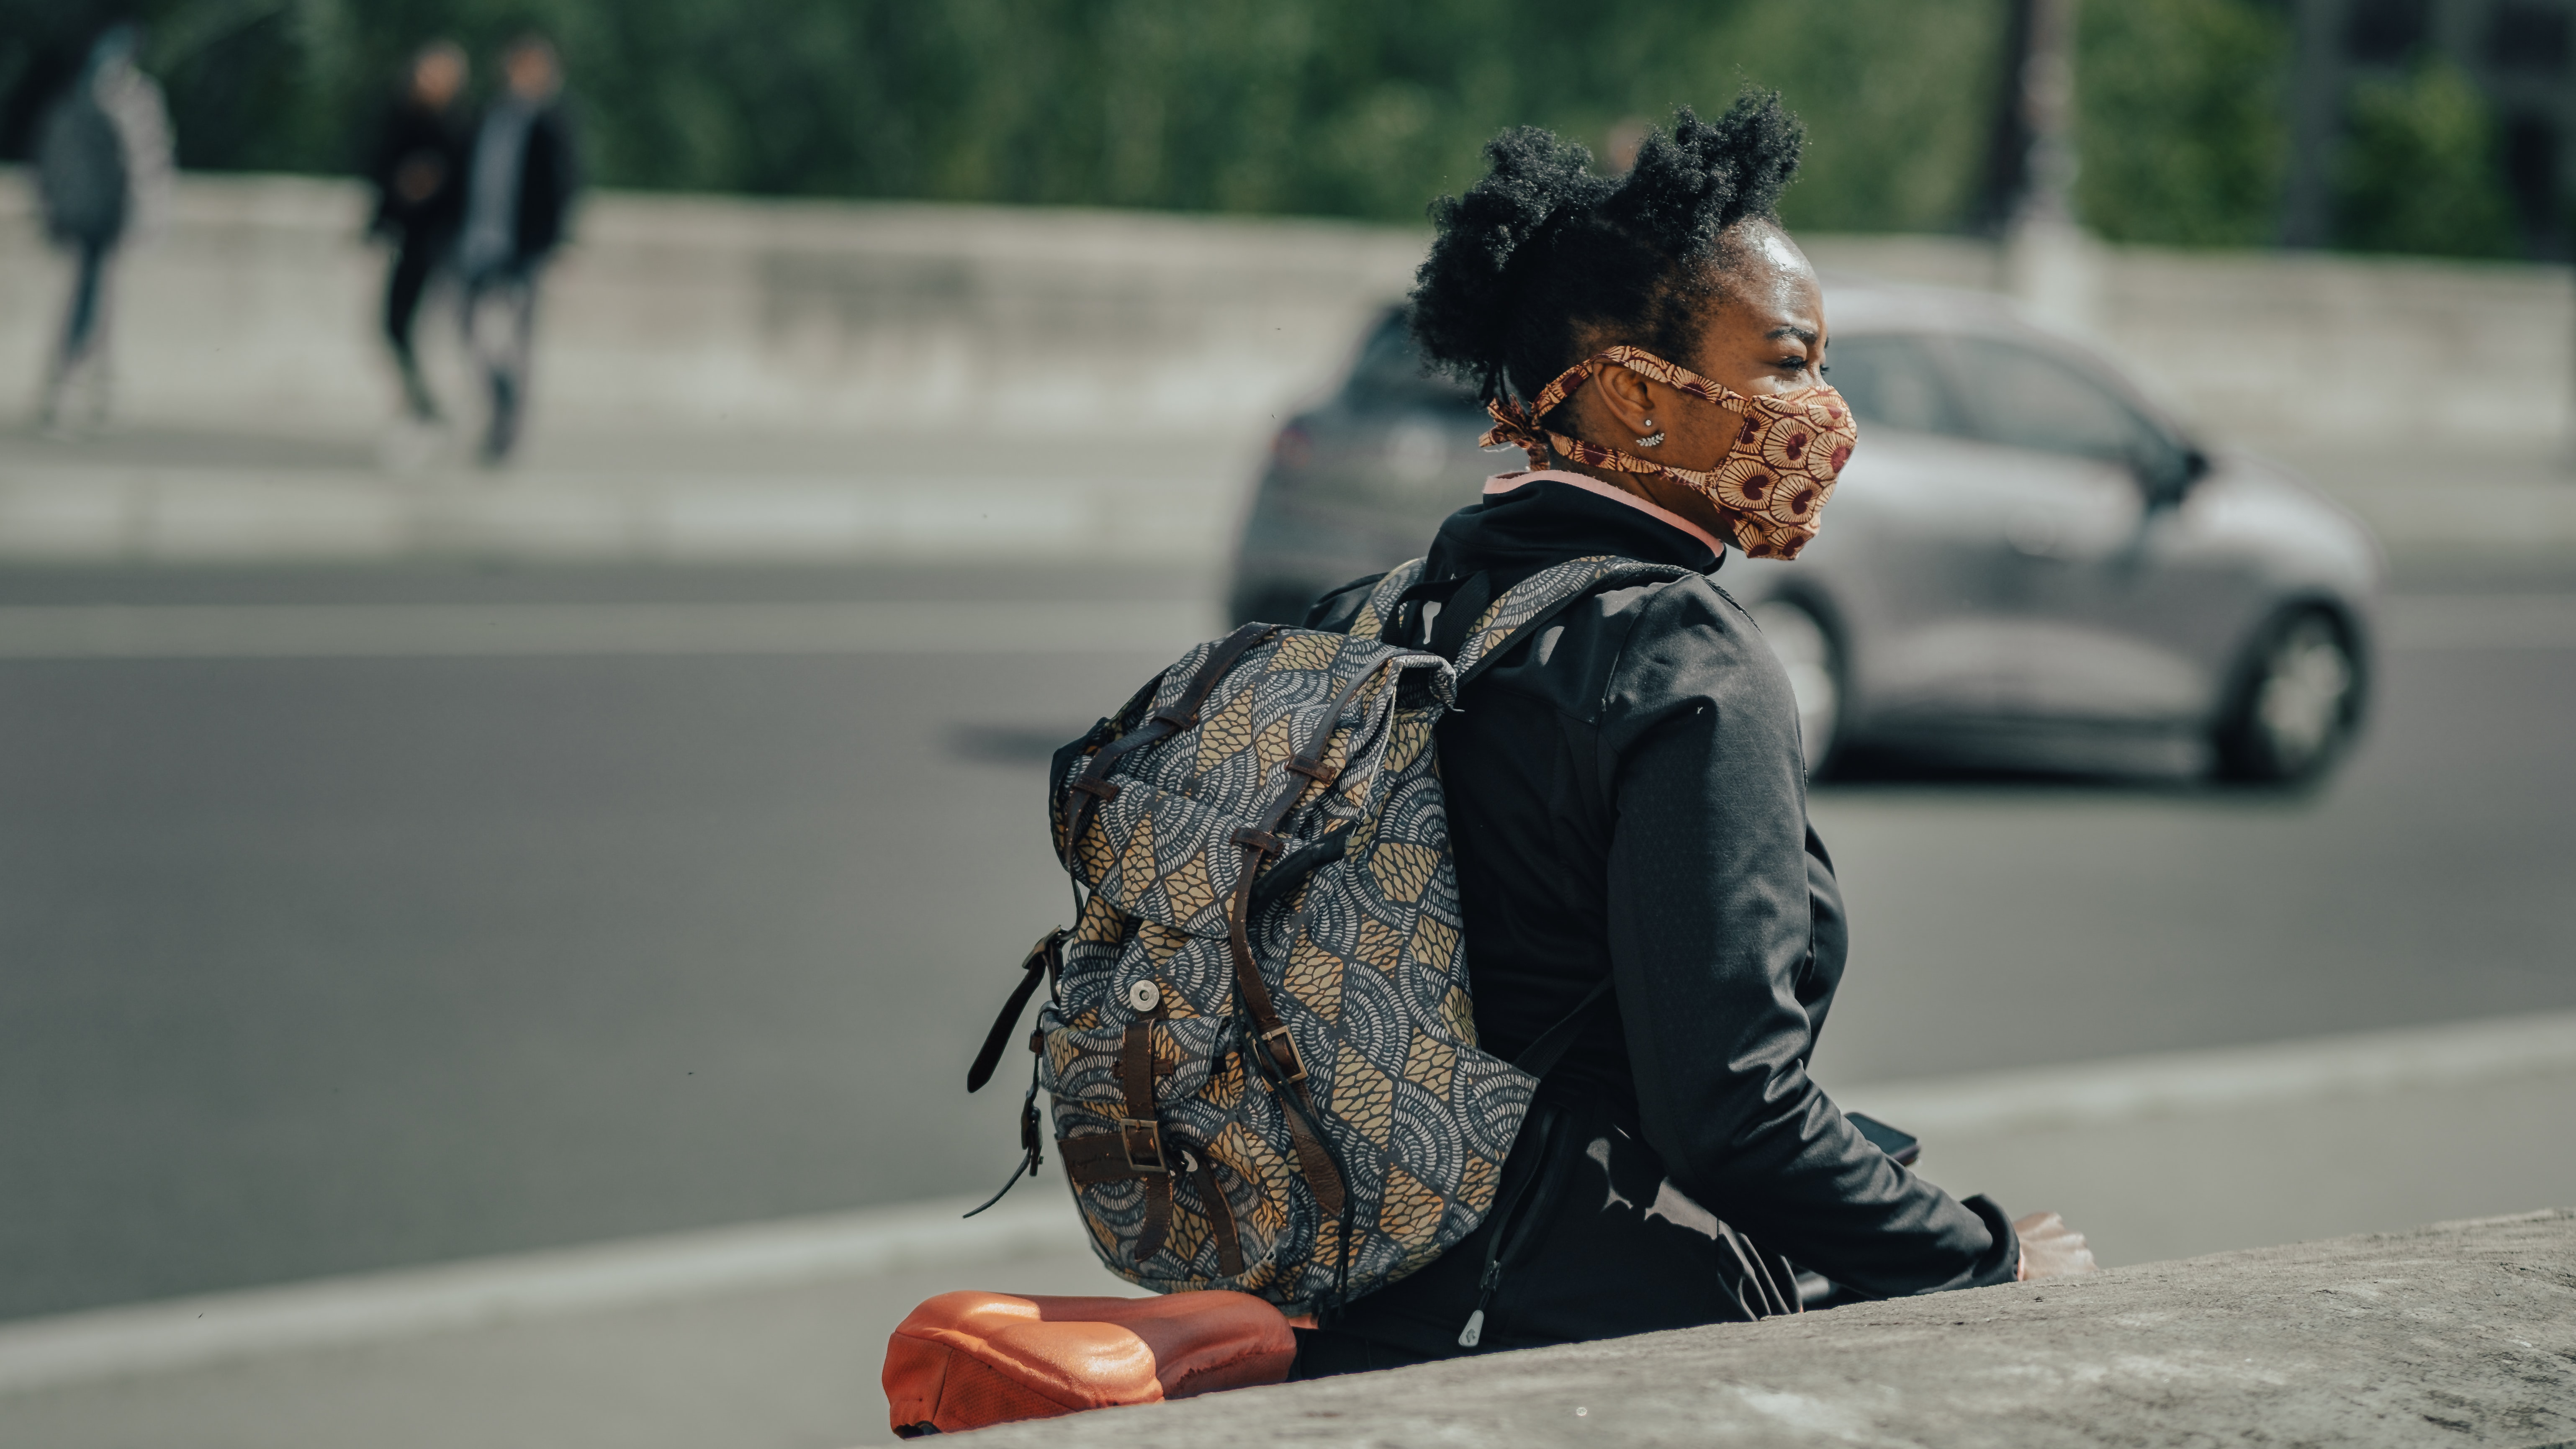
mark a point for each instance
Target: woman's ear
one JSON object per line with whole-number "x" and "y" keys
{"x": 1627, "y": 408}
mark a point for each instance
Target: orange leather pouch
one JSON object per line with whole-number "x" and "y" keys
{"x": 969, "y": 1359}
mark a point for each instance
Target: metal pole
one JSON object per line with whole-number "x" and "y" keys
{"x": 2049, "y": 259}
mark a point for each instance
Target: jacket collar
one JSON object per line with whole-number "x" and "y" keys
{"x": 1528, "y": 521}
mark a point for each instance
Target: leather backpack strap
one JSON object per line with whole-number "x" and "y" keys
{"x": 1273, "y": 1050}
{"x": 1094, "y": 785}
{"x": 1140, "y": 1133}
{"x": 1220, "y": 1216}
{"x": 1045, "y": 962}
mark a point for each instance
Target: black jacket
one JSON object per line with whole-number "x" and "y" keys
{"x": 435, "y": 143}
{"x": 80, "y": 172}
{"x": 548, "y": 180}
{"x": 1626, "y": 799}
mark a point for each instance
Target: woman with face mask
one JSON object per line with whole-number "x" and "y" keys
{"x": 1625, "y": 791}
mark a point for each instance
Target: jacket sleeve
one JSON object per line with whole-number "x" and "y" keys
{"x": 1726, "y": 940}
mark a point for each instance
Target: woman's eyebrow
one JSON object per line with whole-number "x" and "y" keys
{"x": 1801, "y": 333}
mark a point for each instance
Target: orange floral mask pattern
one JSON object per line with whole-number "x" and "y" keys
{"x": 1769, "y": 487}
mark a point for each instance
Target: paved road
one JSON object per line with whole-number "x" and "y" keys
{"x": 331, "y": 962}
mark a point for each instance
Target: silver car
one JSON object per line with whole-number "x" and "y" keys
{"x": 2027, "y": 563}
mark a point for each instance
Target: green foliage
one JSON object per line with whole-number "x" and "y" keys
{"x": 1355, "y": 108}
{"x": 2184, "y": 134}
{"x": 2418, "y": 170}
{"x": 1339, "y": 107}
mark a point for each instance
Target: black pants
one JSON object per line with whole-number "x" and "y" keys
{"x": 80, "y": 321}
{"x": 418, "y": 257}
{"x": 1587, "y": 1239}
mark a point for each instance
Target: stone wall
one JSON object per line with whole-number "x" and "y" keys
{"x": 673, "y": 312}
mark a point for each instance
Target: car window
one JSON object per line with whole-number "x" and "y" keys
{"x": 1890, "y": 382}
{"x": 2027, "y": 399}
{"x": 1389, "y": 373}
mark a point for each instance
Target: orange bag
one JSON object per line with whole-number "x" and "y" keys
{"x": 965, "y": 1360}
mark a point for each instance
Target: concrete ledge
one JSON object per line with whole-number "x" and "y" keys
{"x": 2459, "y": 1333}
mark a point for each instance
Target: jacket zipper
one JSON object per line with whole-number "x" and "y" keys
{"x": 1505, "y": 1219}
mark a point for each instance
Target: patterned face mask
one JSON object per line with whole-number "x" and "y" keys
{"x": 1769, "y": 487}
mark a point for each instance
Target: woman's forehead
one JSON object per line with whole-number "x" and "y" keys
{"x": 1776, "y": 251}
{"x": 1771, "y": 301}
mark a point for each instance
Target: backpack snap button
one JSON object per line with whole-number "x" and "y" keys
{"x": 1144, "y": 996}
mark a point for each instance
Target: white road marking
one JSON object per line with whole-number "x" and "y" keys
{"x": 310, "y": 631}
{"x": 189, "y": 1332}
{"x": 2212, "y": 1082}
{"x": 2481, "y": 621}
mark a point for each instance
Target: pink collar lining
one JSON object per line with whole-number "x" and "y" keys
{"x": 1506, "y": 482}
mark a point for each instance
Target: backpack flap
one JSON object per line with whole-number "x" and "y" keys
{"x": 1287, "y": 747}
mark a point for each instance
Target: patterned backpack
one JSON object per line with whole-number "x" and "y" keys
{"x": 1258, "y": 1042}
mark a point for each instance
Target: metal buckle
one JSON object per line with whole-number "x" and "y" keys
{"x": 1296, "y": 1061}
{"x": 1153, "y": 1130}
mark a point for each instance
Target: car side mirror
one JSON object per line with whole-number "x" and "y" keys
{"x": 2165, "y": 472}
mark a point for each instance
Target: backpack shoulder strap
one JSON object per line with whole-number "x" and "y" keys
{"x": 1529, "y": 605}
{"x": 1386, "y": 599}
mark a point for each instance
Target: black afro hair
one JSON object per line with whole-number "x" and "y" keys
{"x": 1541, "y": 249}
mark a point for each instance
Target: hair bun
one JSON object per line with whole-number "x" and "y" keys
{"x": 1540, "y": 244}
{"x": 1462, "y": 293}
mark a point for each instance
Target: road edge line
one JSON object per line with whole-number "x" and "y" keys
{"x": 193, "y": 1332}
{"x": 2128, "y": 1089}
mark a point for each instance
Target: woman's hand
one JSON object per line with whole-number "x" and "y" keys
{"x": 2051, "y": 1249}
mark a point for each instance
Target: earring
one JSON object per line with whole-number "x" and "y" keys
{"x": 1651, "y": 440}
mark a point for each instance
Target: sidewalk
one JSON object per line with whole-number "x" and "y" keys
{"x": 175, "y": 498}
{"x": 772, "y": 1334}
{"x": 140, "y": 496}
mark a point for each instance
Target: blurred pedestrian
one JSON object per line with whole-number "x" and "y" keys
{"x": 519, "y": 189}
{"x": 419, "y": 175}
{"x": 103, "y": 173}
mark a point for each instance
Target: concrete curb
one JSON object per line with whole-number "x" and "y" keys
{"x": 110, "y": 514}
{"x": 2459, "y": 1333}
{"x": 526, "y": 630}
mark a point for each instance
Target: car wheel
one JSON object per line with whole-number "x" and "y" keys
{"x": 1807, "y": 651}
{"x": 2297, "y": 702}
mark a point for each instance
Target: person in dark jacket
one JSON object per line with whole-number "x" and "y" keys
{"x": 519, "y": 189}
{"x": 419, "y": 174}
{"x": 1626, "y": 793}
{"x": 103, "y": 174}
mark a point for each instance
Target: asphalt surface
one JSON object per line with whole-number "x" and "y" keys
{"x": 319, "y": 964}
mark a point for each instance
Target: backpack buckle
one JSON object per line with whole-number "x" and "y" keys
{"x": 1283, "y": 1054}
{"x": 1156, "y": 1165}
